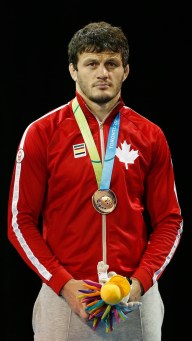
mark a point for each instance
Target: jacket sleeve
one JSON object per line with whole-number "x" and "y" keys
{"x": 164, "y": 212}
{"x": 26, "y": 199}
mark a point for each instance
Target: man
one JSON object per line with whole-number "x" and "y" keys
{"x": 94, "y": 169}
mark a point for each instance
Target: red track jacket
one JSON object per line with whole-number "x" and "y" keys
{"x": 53, "y": 178}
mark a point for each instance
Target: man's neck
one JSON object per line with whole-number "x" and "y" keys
{"x": 101, "y": 110}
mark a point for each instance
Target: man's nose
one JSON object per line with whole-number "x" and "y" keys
{"x": 102, "y": 71}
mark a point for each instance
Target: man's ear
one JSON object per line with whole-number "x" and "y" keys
{"x": 126, "y": 72}
{"x": 73, "y": 72}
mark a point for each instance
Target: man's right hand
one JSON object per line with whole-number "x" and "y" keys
{"x": 70, "y": 293}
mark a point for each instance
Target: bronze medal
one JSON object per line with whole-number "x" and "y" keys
{"x": 104, "y": 201}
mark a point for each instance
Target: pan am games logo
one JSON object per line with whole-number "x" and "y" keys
{"x": 126, "y": 154}
{"x": 20, "y": 155}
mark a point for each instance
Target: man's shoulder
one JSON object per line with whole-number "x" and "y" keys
{"x": 139, "y": 121}
{"x": 52, "y": 118}
{"x": 58, "y": 115}
{"x": 48, "y": 123}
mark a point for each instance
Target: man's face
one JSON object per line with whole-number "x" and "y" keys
{"x": 99, "y": 76}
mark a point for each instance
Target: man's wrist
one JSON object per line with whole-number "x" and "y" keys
{"x": 133, "y": 279}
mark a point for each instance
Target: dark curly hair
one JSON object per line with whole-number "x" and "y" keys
{"x": 98, "y": 37}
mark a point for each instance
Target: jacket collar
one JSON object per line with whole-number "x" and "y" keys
{"x": 89, "y": 114}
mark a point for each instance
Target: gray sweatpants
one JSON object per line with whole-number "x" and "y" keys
{"x": 53, "y": 320}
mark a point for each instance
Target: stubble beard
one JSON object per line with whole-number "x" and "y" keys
{"x": 101, "y": 99}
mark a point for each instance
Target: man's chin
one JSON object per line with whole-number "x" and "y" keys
{"x": 100, "y": 99}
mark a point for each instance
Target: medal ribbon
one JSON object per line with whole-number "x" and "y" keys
{"x": 103, "y": 174}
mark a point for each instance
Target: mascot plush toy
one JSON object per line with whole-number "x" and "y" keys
{"x": 107, "y": 300}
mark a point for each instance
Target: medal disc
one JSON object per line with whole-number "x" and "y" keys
{"x": 104, "y": 201}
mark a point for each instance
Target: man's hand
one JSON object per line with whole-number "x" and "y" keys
{"x": 70, "y": 293}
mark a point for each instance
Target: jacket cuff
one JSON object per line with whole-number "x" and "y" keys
{"x": 144, "y": 277}
{"x": 58, "y": 280}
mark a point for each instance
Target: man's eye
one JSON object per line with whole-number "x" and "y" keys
{"x": 112, "y": 65}
{"x": 92, "y": 64}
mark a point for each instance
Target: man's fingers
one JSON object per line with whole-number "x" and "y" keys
{"x": 83, "y": 314}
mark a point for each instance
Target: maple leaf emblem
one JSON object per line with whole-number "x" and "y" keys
{"x": 125, "y": 154}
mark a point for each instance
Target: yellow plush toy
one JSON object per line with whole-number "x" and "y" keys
{"x": 107, "y": 300}
{"x": 115, "y": 290}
